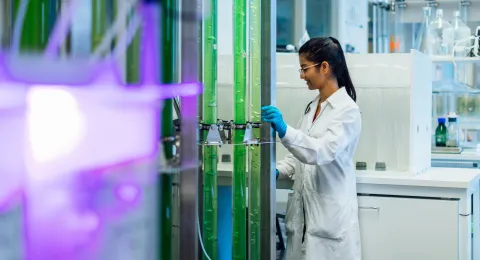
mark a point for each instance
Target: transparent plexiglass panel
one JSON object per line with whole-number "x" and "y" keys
{"x": 93, "y": 163}
{"x": 12, "y": 171}
{"x": 92, "y": 147}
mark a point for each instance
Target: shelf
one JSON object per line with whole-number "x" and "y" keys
{"x": 448, "y": 59}
{"x": 455, "y": 91}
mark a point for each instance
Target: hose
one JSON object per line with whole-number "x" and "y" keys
{"x": 126, "y": 37}
{"x": 116, "y": 29}
{"x": 61, "y": 29}
{"x": 200, "y": 238}
{"x": 467, "y": 48}
{"x": 18, "y": 26}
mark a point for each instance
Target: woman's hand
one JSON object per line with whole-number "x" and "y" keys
{"x": 271, "y": 114}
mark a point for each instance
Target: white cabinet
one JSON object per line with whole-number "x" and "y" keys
{"x": 425, "y": 216}
{"x": 390, "y": 228}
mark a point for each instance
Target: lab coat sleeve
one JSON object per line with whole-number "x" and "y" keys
{"x": 344, "y": 128}
{"x": 286, "y": 167}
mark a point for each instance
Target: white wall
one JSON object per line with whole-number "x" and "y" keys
{"x": 225, "y": 27}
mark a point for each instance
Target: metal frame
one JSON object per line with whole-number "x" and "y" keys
{"x": 190, "y": 17}
{"x": 267, "y": 153}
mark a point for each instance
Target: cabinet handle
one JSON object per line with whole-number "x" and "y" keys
{"x": 374, "y": 208}
{"x": 465, "y": 215}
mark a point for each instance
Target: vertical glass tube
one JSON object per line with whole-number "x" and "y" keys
{"x": 254, "y": 198}
{"x": 380, "y": 12}
{"x": 397, "y": 37}
{"x": 99, "y": 22}
{"x": 133, "y": 56}
{"x": 168, "y": 64}
{"x": 239, "y": 151}
{"x": 210, "y": 117}
{"x": 386, "y": 28}
{"x": 374, "y": 27}
{"x": 463, "y": 8}
{"x": 35, "y": 29}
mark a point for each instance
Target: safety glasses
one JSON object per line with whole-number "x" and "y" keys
{"x": 302, "y": 70}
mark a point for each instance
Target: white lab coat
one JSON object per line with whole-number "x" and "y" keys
{"x": 324, "y": 198}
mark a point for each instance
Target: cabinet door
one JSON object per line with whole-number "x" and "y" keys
{"x": 408, "y": 228}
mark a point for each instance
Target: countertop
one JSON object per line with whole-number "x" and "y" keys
{"x": 433, "y": 177}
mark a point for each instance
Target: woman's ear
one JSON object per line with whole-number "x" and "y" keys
{"x": 325, "y": 67}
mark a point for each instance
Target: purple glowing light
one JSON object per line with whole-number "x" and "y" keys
{"x": 92, "y": 152}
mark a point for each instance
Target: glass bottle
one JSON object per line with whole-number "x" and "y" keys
{"x": 459, "y": 31}
{"x": 452, "y": 137}
{"x": 436, "y": 42}
{"x": 441, "y": 133}
{"x": 456, "y": 37}
{"x": 421, "y": 39}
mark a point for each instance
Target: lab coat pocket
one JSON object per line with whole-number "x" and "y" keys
{"x": 325, "y": 216}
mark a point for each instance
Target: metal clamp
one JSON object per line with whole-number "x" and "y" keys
{"x": 249, "y": 137}
{"x": 213, "y": 136}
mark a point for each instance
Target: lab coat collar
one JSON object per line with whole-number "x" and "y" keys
{"x": 336, "y": 98}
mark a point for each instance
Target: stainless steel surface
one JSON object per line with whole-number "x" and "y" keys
{"x": 190, "y": 17}
{"x": 267, "y": 154}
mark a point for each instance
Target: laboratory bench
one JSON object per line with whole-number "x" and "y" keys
{"x": 432, "y": 215}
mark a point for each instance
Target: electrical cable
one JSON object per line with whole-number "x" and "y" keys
{"x": 466, "y": 48}
{"x": 200, "y": 238}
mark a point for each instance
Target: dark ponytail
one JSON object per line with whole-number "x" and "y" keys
{"x": 328, "y": 49}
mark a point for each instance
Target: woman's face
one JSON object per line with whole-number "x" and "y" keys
{"x": 314, "y": 74}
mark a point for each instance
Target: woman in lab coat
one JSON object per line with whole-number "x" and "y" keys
{"x": 322, "y": 211}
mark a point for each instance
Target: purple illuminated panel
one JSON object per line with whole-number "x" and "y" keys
{"x": 92, "y": 155}
{"x": 92, "y": 170}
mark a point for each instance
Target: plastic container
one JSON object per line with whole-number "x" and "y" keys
{"x": 436, "y": 43}
{"x": 441, "y": 133}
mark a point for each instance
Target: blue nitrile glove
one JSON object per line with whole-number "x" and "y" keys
{"x": 271, "y": 114}
{"x": 277, "y": 173}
